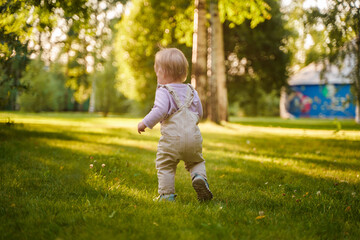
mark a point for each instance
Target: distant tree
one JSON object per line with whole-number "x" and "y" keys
{"x": 150, "y": 25}
{"x": 257, "y": 62}
{"x": 109, "y": 99}
{"x": 46, "y": 88}
{"x": 18, "y": 20}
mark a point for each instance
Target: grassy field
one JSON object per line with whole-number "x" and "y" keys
{"x": 271, "y": 179}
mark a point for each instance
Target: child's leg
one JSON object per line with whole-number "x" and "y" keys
{"x": 166, "y": 169}
{"x": 196, "y": 168}
{"x": 199, "y": 180}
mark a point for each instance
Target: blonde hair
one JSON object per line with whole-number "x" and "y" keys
{"x": 173, "y": 63}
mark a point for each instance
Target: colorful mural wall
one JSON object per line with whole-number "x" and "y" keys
{"x": 321, "y": 101}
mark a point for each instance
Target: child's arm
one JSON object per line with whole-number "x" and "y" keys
{"x": 158, "y": 112}
{"x": 141, "y": 127}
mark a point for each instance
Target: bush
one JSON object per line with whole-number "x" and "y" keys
{"x": 46, "y": 88}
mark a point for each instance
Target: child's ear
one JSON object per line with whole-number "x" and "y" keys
{"x": 159, "y": 71}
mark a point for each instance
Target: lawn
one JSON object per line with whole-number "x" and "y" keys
{"x": 271, "y": 179}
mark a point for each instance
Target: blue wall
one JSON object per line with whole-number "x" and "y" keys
{"x": 322, "y": 101}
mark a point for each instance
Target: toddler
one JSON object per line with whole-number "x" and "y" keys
{"x": 178, "y": 108}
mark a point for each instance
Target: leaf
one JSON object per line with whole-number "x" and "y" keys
{"x": 112, "y": 214}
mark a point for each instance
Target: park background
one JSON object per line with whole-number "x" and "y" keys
{"x": 77, "y": 76}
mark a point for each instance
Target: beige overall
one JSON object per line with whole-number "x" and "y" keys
{"x": 181, "y": 140}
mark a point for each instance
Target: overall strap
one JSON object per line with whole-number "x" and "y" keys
{"x": 190, "y": 96}
{"x": 172, "y": 92}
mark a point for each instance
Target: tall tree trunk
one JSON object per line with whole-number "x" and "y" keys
{"x": 198, "y": 75}
{"x": 219, "y": 62}
{"x": 357, "y": 80}
{"x": 93, "y": 82}
{"x": 213, "y": 114}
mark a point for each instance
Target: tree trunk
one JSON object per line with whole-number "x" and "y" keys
{"x": 92, "y": 97}
{"x": 357, "y": 81}
{"x": 198, "y": 75}
{"x": 213, "y": 114}
{"x": 220, "y": 66}
{"x": 93, "y": 82}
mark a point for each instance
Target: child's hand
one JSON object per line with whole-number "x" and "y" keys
{"x": 141, "y": 127}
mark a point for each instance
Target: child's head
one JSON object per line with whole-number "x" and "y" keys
{"x": 171, "y": 66}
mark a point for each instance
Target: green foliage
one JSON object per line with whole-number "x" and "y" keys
{"x": 236, "y": 12}
{"x": 271, "y": 179}
{"x": 16, "y": 25}
{"x": 257, "y": 65}
{"x": 141, "y": 33}
{"x": 46, "y": 88}
{"x": 108, "y": 98}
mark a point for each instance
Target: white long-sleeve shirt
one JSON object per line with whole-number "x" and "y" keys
{"x": 165, "y": 106}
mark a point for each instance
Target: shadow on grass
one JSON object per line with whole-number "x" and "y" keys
{"x": 53, "y": 168}
{"x": 44, "y": 181}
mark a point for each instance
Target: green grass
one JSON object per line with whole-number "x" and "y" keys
{"x": 301, "y": 175}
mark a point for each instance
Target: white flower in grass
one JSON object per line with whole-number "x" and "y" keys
{"x": 103, "y": 165}
{"x": 91, "y": 165}
{"x": 353, "y": 194}
{"x": 318, "y": 193}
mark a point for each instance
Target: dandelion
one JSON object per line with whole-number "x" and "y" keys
{"x": 103, "y": 165}
{"x": 318, "y": 193}
{"x": 91, "y": 165}
{"x": 259, "y": 217}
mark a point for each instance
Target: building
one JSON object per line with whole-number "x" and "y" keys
{"x": 312, "y": 96}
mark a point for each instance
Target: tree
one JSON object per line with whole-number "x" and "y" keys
{"x": 108, "y": 98}
{"x": 150, "y": 25}
{"x": 46, "y": 87}
{"x": 341, "y": 21}
{"x": 236, "y": 12}
{"x": 199, "y": 53}
{"x": 18, "y": 20}
{"x": 218, "y": 73}
{"x": 257, "y": 63}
